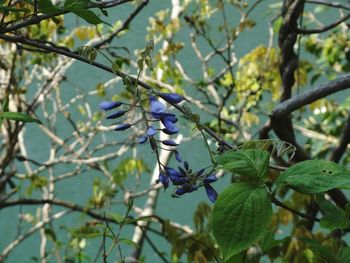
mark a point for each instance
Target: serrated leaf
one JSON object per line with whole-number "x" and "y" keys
{"x": 241, "y": 215}
{"x": 249, "y": 162}
{"x": 314, "y": 176}
{"x": 333, "y": 216}
{"x": 18, "y": 116}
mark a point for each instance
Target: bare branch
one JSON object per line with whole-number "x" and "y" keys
{"x": 323, "y": 29}
{"x": 343, "y": 144}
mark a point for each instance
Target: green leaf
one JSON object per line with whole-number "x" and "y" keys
{"x": 4, "y": 108}
{"x": 12, "y": 9}
{"x": 325, "y": 253}
{"x": 344, "y": 255}
{"x": 268, "y": 241}
{"x": 18, "y": 116}
{"x": 85, "y": 14}
{"x": 46, "y": 6}
{"x": 314, "y": 176}
{"x": 249, "y": 162}
{"x": 241, "y": 215}
{"x": 333, "y": 216}
{"x": 76, "y": 3}
{"x": 128, "y": 242}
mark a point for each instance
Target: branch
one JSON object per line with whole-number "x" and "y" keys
{"x": 330, "y": 4}
{"x": 344, "y": 141}
{"x": 284, "y": 109}
{"x": 124, "y": 26}
{"x": 36, "y": 19}
{"x": 32, "y": 230}
{"x": 307, "y": 97}
{"x": 62, "y": 203}
{"x": 280, "y": 204}
{"x": 67, "y": 53}
{"x": 323, "y": 29}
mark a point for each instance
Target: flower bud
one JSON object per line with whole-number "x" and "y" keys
{"x": 108, "y": 105}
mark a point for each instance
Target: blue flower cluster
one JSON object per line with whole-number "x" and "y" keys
{"x": 187, "y": 181}
{"x": 184, "y": 179}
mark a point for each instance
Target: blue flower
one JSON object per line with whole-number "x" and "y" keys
{"x": 178, "y": 156}
{"x": 210, "y": 179}
{"x": 108, "y": 105}
{"x": 164, "y": 180}
{"x": 211, "y": 193}
{"x": 143, "y": 139}
{"x": 170, "y": 127}
{"x": 116, "y": 115}
{"x": 185, "y": 188}
{"x": 151, "y": 131}
{"x": 157, "y": 108}
{"x": 169, "y": 143}
{"x": 175, "y": 176}
{"x": 188, "y": 181}
{"x": 171, "y": 97}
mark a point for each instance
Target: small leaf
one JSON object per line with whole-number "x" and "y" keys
{"x": 4, "y": 108}
{"x": 85, "y": 14}
{"x": 76, "y": 3}
{"x": 314, "y": 176}
{"x": 249, "y": 162}
{"x": 344, "y": 255}
{"x": 12, "y": 9}
{"x": 325, "y": 253}
{"x": 128, "y": 242}
{"x": 18, "y": 116}
{"x": 241, "y": 215}
{"x": 333, "y": 216}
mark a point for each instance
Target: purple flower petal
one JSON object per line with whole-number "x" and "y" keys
{"x": 166, "y": 131}
{"x": 172, "y": 172}
{"x": 186, "y": 165}
{"x": 210, "y": 179}
{"x": 200, "y": 172}
{"x": 171, "y": 97}
{"x": 164, "y": 180}
{"x": 108, "y": 105}
{"x": 122, "y": 127}
{"x": 186, "y": 188}
{"x": 175, "y": 176}
{"x": 157, "y": 108}
{"x": 169, "y": 126}
{"x": 211, "y": 193}
{"x": 151, "y": 131}
{"x": 116, "y": 115}
{"x": 143, "y": 139}
{"x": 169, "y": 116}
{"x": 178, "y": 180}
{"x": 182, "y": 171}
{"x": 169, "y": 143}
{"x": 178, "y": 156}
{"x": 180, "y": 191}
